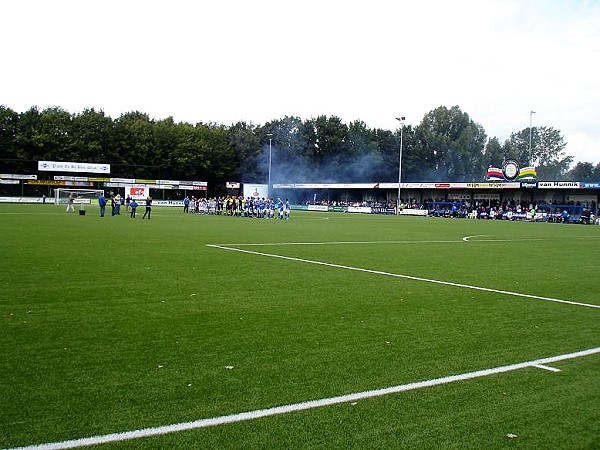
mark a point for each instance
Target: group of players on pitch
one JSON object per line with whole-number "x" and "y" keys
{"x": 253, "y": 207}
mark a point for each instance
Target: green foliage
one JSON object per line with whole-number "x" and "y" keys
{"x": 584, "y": 171}
{"x": 452, "y": 144}
{"x": 447, "y": 145}
{"x": 546, "y": 153}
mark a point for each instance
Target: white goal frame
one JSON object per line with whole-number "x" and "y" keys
{"x": 81, "y": 196}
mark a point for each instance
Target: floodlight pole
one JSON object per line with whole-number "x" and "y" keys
{"x": 531, "y": 113}
{"x": 270, "y": 153}
{"x": 401, "y": 120}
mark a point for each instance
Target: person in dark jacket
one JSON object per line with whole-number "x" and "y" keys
{"x": 148, "y": 208}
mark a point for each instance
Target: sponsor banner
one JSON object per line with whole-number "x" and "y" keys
{"x": 196, "y": 183}
{"x": 47, "y": 182}
{"x": 23, "y": 200}
{"x": 191, "y": 187}
{"x": 10, "y": 182}
{"x": 589, "y": 185}
{"x": 359, "y": 209}
{"x": 79, "y": 183}
{"x": 452, "y": 185}
{"x": 256, "y": 190}
{"x": 143, "y": 181}
{"x": 413, "y": 212}
{"x": 300, "y": 207}
{"x": 137, "y": 192}
{"x": 382, "y": 210}
{"x": 99, "y": 179}
{"x": 116, "y": 185}
{"x": 529, "y": 184}
{"x": 122, "y": 180}
{"x": 57, "y": 166}
{"x": 232, "y": 185}
{"x": 333, "y": 185}
{"x": 172, "y": 182}
{"x": 69, "y": 178}
{"x": 165, "y": 186}
{"x": 177, "y": 203}
{"x": 423, "y": 185}
{"x": 318, "y": 208}
{"x": 11, "y": 176}
{"x": 337, "y": 209}
{"x": 509, "y": 185}
{"x": 558, "y": 184}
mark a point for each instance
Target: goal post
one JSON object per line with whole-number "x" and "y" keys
{"x": 80, "y": 196}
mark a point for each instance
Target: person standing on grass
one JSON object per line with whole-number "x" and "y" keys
{"x": 102, "y": 204}
{"x": 118, "y": 205}
{"x": 112, "y": 204}
{"x": 186, "y": 204}
{"x": 148, "y": 208}
{"x": 133, "y": 205}
{"x": 70, "y": 202}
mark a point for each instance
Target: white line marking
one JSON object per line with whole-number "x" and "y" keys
{"x": 542, "y": 366}
{"x": 408, "y": 277}
{"x": 256, "y": 414}
{"x": 269, "y": 244}
{"x": 466, "y": 238}
{"x": 446, "y": 241}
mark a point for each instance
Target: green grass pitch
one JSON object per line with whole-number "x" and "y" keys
{"x": 109, "y": 325}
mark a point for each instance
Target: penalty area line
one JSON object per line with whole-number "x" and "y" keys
{"x": 286, "y": 409}
{"x": 274, "y": 244}
{"x": 407, "y": 277}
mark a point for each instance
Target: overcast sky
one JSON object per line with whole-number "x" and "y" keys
{"x": 372, "y": 60}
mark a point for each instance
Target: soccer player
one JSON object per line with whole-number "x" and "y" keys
{"x": 280, "y": 207}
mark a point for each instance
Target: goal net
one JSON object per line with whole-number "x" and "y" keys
{"x": 80, "y": 196}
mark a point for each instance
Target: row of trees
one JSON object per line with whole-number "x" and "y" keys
{"x": 446, "y": 146}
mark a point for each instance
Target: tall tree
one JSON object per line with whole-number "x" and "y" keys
{"x": 453, "y": 141}
{"x": 583, "y": 171}
{"x": 91, "y": 136}
{"x": 134, "y": 146}
{"x": 493, "y": 155}
{"x": 363, "y": 160}
{"x": 389, "y": 148}
{"x": 290, "y": 150}
{"x": 13, "y": 158}
{"x": 546, "y": 153}
{"x": 246, "y": 140}
{"x": 329, "y": 146}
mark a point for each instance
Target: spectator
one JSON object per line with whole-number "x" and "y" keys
{"x": 148, "y": 208}
{"x": 102, "y": 204}
{"x": 133, "y": 204}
